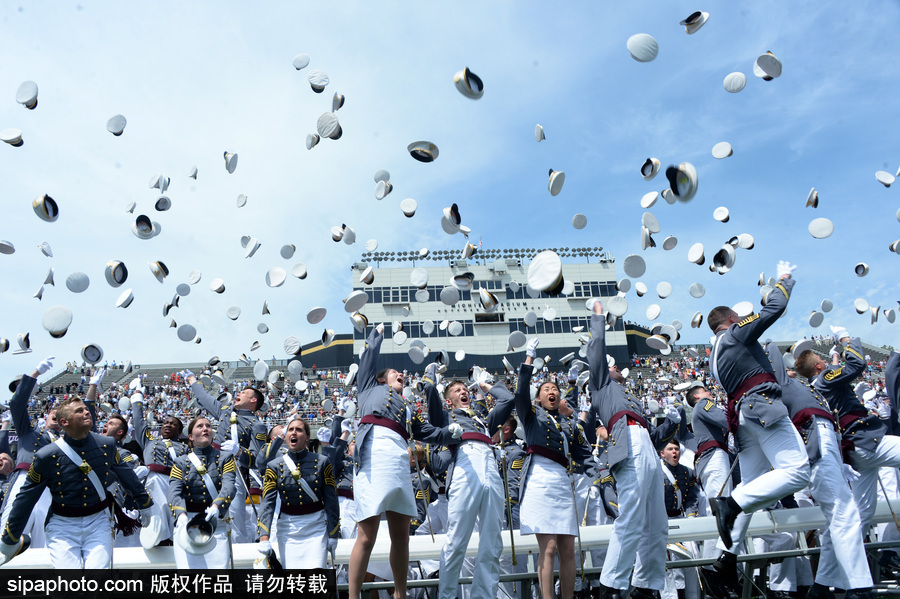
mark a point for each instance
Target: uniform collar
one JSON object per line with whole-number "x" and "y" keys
{"x": 204, "y": 451}
{"x": 298, "y": 455}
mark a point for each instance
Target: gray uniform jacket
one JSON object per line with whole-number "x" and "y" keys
{"x": 251, "y": 430}
{"x": 384, "y": 404}
{"x": 70, "y": 488}
{"x": 546, "y": 438}
{"x": 30, "y": 440}
{"x": 480, "y": 424}
{"x": 317, "y": 471}
{"x": 611, "y": 401}
{"x": 742, "y": 367}
{"x": 187, "y": 490}
{"x": 859, "y": 428}
{"x": 710, "y": 430}
{"x": 156, "y": 450}
{"x": 803, "y": 402}
{"x": 515, "y": 460}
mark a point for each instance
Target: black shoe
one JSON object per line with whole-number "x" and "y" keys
{"x": 819, "y": 591}
{"x": 860, "y": 594}
{"x": 725, "y": 517}
{"x": 779, "y": 595}
{"x": 726, "y": 566}
{"x": 608, "y": 593}
{"x": 712, "y": 584}
{"x": 640, "y": 593}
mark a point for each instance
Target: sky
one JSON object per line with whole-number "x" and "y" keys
{"x": 195, "y": 80}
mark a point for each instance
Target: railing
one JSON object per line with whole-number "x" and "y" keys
{"x": 422, "y": 547}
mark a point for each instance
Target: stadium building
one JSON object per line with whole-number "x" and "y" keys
{"x": 482, "y": 335}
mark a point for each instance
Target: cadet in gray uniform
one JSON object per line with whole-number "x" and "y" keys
{"x": 639, "y": 535}
{"x": 382, "y": 483}
{"x": 478, "y": 494}
{"x": 842, "y": 562}
{"x": 773, "y": 457}
{"x": 309, "y": 521}
{"x": 76, "y": 468}
{"x": 202, "y": 482}
{"x": 554, "y": 442}
{"x": 682, "y": 497}
{"x": 712, "y": 463}
{"x": 30, "y": 441}
{"x": 240, "y": 433}
{"x": 866, "y": 443}
{"x": 160, "y": 454}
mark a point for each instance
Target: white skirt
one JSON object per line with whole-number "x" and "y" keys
{"x": 302, "y": 540}
{"x": 217, "y": 559}
{"x": 383, "y": 483}
{"x": 547, "y": 506}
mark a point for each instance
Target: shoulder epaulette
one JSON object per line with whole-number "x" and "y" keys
{"x": 748, "y": 320}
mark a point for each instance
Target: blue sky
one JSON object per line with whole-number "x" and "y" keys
{"x": 195, "y": 80}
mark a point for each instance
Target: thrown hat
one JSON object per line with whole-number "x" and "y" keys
{"x": 423, "y": 151}
{"x": 300, "y": 61}
{"x": 539, "y": 133}
{"x": 329, "y": 126}
{"x": 56, "y": 321}
{"x": 579, "y": 221}
{"x": 317, "y": 80}
{"x": 812, "y": 199}
{"x": 116, "y": 124}
{"x": 231, "y": 160}
{"x": 545, "y": 273}
{"x": 820, "y": 228}
{"x": 159, "y": 270}
{"x": 77, "y": 282}
{"x": 12, "y": 136}
{"x": 382, "y": 189}
{"x": 734, "y": 82}
{"x": 634, "y": 266}
{"x": 275, "y": 277}
{"x": 299, "y": 270}
{"x": 557, "y": 179}
{"x": 722, "y": 149}
{"x": 27, "y": 95}
{"x": 91, "y": 353}
{"x": 355, "y": 301}
{"x": 315, "y": 315}
{"x": 116, "y": 273}
{"x": 642, "y": 47}
{"x": 197, "y": 537}
{"x": 650, "y": 169}
{"x": 767, "y": 67}
{"x": 885, "y": 178}
{"x": 217, "y": 285}
{"x": 683, "y": 181}
{"x": 408, "y": 207}
{"x": 469, "y": 84}
{"x": 695, "y": 21}
{"x": 46, "y": 208}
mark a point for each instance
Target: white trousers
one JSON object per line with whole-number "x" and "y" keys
{"x": 238, "y": 514}
{"x": 842, "y": 562}
{"x": 158, "y": 487}
{"x": 866, "y": 489}
{"x": 475, "y": 493}
{"x": 84, "y": 542}
{"x": 774, "y": 463}
{"x": 714, "y": 472}
{"x": 639, "y": 534}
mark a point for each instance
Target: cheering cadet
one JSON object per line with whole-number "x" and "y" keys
{"x": 682, "y": 500}
{"x": 309, "y": 520}
{"x": 554, "y": 442}
{"x": 773, "y": 458}
{"x": 865, "y": 441}
{"x": 160, "y": 454}
{"x": 30, "y": 441}
{"x": 478, "y": 493}
{"x": 382, "y": 483}
{"x": 241, "y": 434}
{"x": 76, "y": 468}
{"x": 641, "y": 529}
{"x": 201, "y": 486}
{"x": 842, "y": 562}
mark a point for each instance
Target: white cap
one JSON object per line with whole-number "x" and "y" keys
{"x": 116, "y": 124}
{"x": 820, "y": 228}
{"x": 670, "y": 242}
{"x": 77, "y": 282}
{"x": 767, "y": 67}
{"x": 579, "y": 221}
{"x": 653, "y": 311}
{"x": 233, "y": 312}
{"x": 300, "y": 61}
{"x": 231, "y": 160}
{"x": 408, "y": 207}
{"x": 423, "y": 151}
{"x": 27, "y": 94}
{"x": 469, "y": 84}
{"x": 555, "y": 184}
{"x": 735, "y": 82}
{"x": 56, "y": 321}
{"x": 315, "y": 315}
{"x": 663, "y": 289}
{"x": 299, "y": 270}
{"x": 722, "y": 149}
{"x": 697, "y": 290}
{"x": 642, "y": 47}
{"x": 885, "y": 178}
{"x": 539, "y": 133}
{"x": 649, "y": 199}
{"x": 317, "y": 80}
{"x": 634, "y": 266}
{"x": 455, "y": 328}
{"x": 650, "y": 169}
{"x": 355, "y": 301}
{"x": 721, "y": 214}
{"x": 683, "y": 181}
{"x": 116, "y": 273}
{"x": 275, "y": 277}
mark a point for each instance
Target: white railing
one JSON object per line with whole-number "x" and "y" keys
{"x": 422, "y": 547}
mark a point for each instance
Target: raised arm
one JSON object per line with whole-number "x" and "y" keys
{"x": 752, "y": 327}
{"x": 141, "y": 430}
{"x": 437, "y": 415}
{"x": 206, "y": 401}
{"x": 368, "y": 363}
{"x": 598, "y": 365}
{"x": 524, "y": 409}
{"x": 504, "y": 402}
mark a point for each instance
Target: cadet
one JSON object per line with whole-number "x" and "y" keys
{"x": 842, "y": 562}
{"x": 202, "y": 482}
{"x": 76, "y": 468}
{"x": 309, "y": 520}
{"x": 641, "y": 530}
{"x": 554, "y": 442}
{"x": 382, "y": 483}
{"x": 773, "y": 458}
{"x": 682, "y": 499}
{"x": 478, "y": 494}
{"x": 865, "y": 439}
{"x": 160, "y": 454}
{"x": 30, "y": 441}
{"x": 240, "y": 433}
